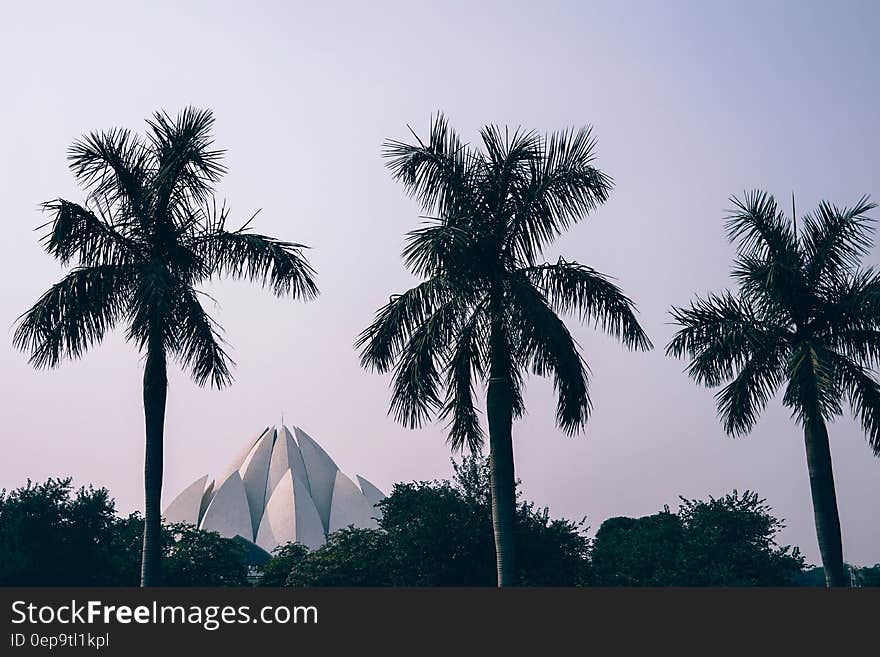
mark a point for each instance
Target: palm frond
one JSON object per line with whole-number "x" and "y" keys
{"x": 849, "y": 302}
{"x": 75, "y": 232}
{"x": 187, "y": 165}
{"x": 396, "y": 321}
{"x": 760, "y": 228}
{"x": 199, "y": 346}
{"x": 859, "y": 345}
{"x": 507, "y": 158}
{"x": 813, "y": 391}
{"x": 574, "y": 288}
{"x": 836, "y": 239}
{"x": 467, "y": 359}
{"x": 113, "y": 165}
{"x": 562, "y": 186}
{"x": 774, "y": 287}
{"x": 443, "y": 248}
{"x": 417, "y": 378}
{"x": 863, "y": 393}
{"x": 257, "y": 258}
{"x": 742, "y": 400}
{"x": 437, "y": 173}
{"x": 74, "y": 314}
{"x": 545, "y": 343}
{"x": 720, "y": 334}
{"x": 153, "y": 300}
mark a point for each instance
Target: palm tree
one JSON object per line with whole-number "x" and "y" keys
{"x": 806, "y": 316}
{"x": 488, "y": 309}
{"x": 148, "y": 234}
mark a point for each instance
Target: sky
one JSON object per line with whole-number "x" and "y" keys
{"x": 691, "y": 102}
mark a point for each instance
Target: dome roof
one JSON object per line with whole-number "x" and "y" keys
{"x": 281, "y": 487}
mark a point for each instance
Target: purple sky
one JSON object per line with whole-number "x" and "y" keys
{"x": 690, "y": 102}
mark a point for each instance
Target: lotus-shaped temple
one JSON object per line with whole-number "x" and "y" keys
{"x": 279, "y": 488}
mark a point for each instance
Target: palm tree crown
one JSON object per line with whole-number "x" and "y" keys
{"x": 806, "y": 316}
{"x": 488, "y": 307}
{"x": 147, "y": 235}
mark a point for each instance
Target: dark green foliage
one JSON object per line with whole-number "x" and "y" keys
{"x": 351, "y": 557}
{"x": 730, "y": 542}
{"x": 552, "y": 552}
{"x": 285, "y": 558}
{"x": 190, "y": 556}
{"x": 197, "y": 558}
{"x": 51, "y": 535}
{"x": 128, "y": 538}
{"x": 638, "y": 551}
{"x": 727, "y": 541}
{"x": 440, "y": 534}
{"x": 432, "y": 534}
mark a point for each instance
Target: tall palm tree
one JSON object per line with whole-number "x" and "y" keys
{"x": 148, "y": 234}
{"x": 806, "y": 317}
{"x": 488, "y": 308}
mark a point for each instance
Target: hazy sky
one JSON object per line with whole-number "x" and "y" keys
{"x": 691, "y": 102}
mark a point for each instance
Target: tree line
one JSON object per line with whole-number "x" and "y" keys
{"x": 804, "y": 316}
{"x": 436, "y": 533}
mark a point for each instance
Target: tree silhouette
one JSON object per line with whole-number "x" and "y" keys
{"x": 488, "y": 308}
{"x": 148, "y": 233}
{"x": 806, "y": 316}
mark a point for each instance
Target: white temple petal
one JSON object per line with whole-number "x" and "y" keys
{"x": 321, "y": 471}
{"x": 253, "y": 475}
{"x": 235, "y": 464}
{"x": 309, "y": 529}
{"x": 229, "y": 514}
{"x": 206, "y": 500}
{"x": 269, "y": 536}
{"x": 370, "y": 491}
{"x": 284, "y": 451}
{"x": 350, "y": 506}
{"x": 185, "y": 507}
{"x": 295, "y": 459}
{"x": 253, "y": 450}
{"x": 290, "y": 516}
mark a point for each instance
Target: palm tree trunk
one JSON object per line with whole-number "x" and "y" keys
{"x": 155, "y": 392}
{"x": 499, "y": 406}
{"x": 824, "y": 502}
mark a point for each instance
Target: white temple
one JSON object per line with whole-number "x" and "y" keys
{"x": 279, "y": 488}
